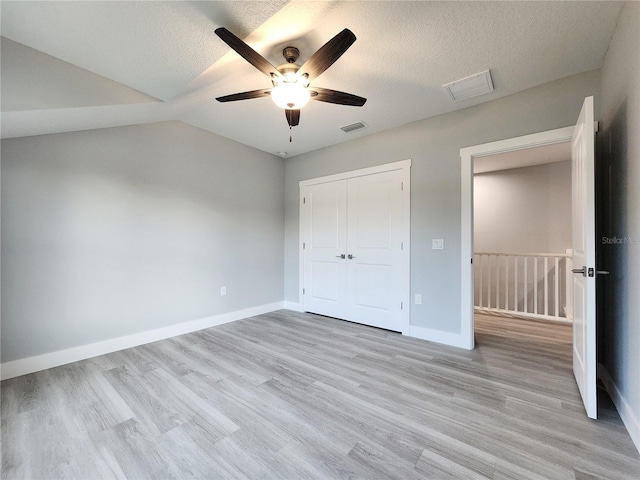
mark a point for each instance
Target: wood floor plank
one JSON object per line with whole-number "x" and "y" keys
{"x": 291, "y": 395}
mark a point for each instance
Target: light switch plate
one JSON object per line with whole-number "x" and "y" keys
{"x": 437, "y": 244}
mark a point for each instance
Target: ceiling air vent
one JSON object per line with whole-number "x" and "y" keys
{"x": 470, "y": 87}
{"x": 353, "y": 127}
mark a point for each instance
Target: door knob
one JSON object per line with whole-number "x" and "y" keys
{"x": 340, "y": 256}
{"x": 350, "y": 257}
{"x": 590, "y": 271}
{"x": 582, "y": 270}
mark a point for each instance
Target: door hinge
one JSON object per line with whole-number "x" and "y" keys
{"x": 401, "y": 306}
{"x": 401, "y": 245}
{"x": 402, "y": 186}
{"x": 304, "y": 200}
{"x": 303, "y": 292}
{"x": 304, "y": 245}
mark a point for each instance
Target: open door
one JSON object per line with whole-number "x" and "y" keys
{"x": 584, "y": 257}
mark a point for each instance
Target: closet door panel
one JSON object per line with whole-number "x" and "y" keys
{"x": 375, "y": 245}
{"x": 325, "y": 248}
{"x": 373, "y": 283}
{"x": 324, "y": 286}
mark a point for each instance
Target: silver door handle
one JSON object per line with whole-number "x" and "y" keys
{"x": 590, "y": 271}
{"x": 350, "y": 257}
{"x": 340, "y": 256}
{"x": 582, "y": 270}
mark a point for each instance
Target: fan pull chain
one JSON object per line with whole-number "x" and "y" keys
{"x": 290, "y": 133}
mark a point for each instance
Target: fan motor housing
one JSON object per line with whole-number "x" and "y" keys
{"x": 286, "y": 68}
{"x": 291, "y": 54}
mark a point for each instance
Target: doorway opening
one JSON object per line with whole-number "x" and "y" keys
{"x": 522, "y": 234}
{"x": 469, "y": 156}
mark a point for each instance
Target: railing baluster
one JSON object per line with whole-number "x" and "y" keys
{"x": 481, "y": 268}
{"x": 546, "y": 285}
{"x": 556, "y": 284}
{"x": 506, "y": 282}
{"x": 568, "y": 283}
{"x": 535, "y": 285}
{"x": 515, "y": 283}
{"x": 489, "y": 283}
{"x": 498, "y": 257}
{"x": 526, "y": 286}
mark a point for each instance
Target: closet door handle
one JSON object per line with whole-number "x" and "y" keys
{"x": 340, "y": 256}
{"x": 350, "y": 257}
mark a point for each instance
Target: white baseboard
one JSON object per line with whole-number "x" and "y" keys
{"x": 36, "y": 363}
{"x": 439, "y": 336}
{"x": 295, "y": 306}
{"x": 625, "y": 411}
{"x": 423, "y": 333}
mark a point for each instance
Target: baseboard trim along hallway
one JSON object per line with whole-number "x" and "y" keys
{"x": 37, "y": 363}
{"x": 446, "y": 338}
{"x": 622, "y": 405}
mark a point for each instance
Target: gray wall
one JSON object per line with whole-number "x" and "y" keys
{"x": 434, "y": 147}
{"x": 619, "y": 216}
{"x": 523, "y": 210}
{"x": 117, "y": 231}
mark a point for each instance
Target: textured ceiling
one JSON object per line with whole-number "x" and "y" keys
{"x": 166, "y": 55}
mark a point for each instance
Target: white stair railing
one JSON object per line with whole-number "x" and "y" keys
{"x": 527, "y": 285}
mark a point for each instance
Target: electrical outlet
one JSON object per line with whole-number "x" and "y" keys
{"x": 437, "y": 243}
{"x": 223, "y": 291}
{"x": 418, "y": 299}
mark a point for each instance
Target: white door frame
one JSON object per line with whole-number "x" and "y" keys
{"x": 467, "y": 155}
{"x": 405, "y": 167}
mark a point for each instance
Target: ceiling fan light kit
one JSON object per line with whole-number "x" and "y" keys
{"x": 291, "y": 96}
{"x": 291, "y": 91}
{"x": 291, "y": 82}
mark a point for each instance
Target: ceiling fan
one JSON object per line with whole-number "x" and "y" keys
{"x": 292, "y": 88}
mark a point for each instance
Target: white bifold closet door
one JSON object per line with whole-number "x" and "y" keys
{"x": 355, "y": 250}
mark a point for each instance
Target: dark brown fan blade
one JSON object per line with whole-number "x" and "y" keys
{"x": 328, "y": 54}
{"x": 333, "y": 96}
{"x": 248, "y": 53}
{"x": 244, "y": 95}
{"x": 293, "y": 117}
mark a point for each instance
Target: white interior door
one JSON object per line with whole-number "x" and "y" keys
{"x": 584, "y": 258}
{"x": 325, "y": 248}
{"x": 374, "y": 249}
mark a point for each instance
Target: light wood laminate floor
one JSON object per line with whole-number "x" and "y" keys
{"x": 290, "y": 396}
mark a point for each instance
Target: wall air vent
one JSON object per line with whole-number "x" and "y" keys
{"x": 470, "y": 87}
{"x": 353, "y": 127}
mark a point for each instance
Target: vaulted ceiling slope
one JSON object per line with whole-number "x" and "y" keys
{"x": 69, "y": 66}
